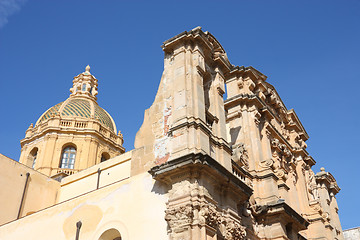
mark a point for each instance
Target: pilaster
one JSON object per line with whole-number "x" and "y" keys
{"x": 49, "y": 159}
{"x": 204, "y": 199}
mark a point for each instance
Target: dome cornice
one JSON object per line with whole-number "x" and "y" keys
{"x": 73, "y": 126}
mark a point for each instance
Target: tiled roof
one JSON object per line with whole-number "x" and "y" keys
{"x": 103, "y": 117}
{"x": 50, "y": 112}
{"x": 79, "y": 107}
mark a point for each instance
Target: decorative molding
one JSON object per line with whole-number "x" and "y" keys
{"x": 266, "y": 163}
{"x": 230, "y": 228}
{"x": 161, "y": 172}
{"x": 179, "y": 218}
{"x": 209, "y": 215}
{"x": 233, "y": 230}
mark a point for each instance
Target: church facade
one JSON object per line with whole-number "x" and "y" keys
{"x": 203, "y": 167}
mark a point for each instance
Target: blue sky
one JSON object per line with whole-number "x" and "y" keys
{"x": 308, "y": 49}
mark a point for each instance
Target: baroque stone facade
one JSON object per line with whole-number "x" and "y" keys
{"x": 203, "y": 167}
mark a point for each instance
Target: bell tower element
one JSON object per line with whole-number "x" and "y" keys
{"x": 85, "y": 84}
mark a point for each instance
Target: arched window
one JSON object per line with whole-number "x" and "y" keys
{"x": 32, "y": 157}
{"x": 84, "y": 87}
{"x": 111, "y": 234}
{"x": 105, "y": 156}
{"x": 68, "y": 157}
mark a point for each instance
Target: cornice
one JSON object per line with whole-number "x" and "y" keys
{"x": 238, "y": 71}
{"x": 75, "y": 131}
{"x": 253, "y": 98}
{"x": 198, "y": 123}
{"x": 328, "y": 179}
{"x": 283, "y": 208}
{"x": 202, "y": 162}
{"x": 298, "y": 122}
{"x": 207, "y": 40}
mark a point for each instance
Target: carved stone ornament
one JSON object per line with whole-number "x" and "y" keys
{"x": 240, "y": 83}
{"x": 179, "y": 218}
{"x": 266, "y": 163}
{"x": 287, "y": 152}
{"x": 209, "y": 216}
{"x": 280, "y": 173}
{"x": 312, "y": 186}
{"x": 293, "y": 176}
{"x": 326, "y": 216}
{"x": 316, "y": 209}
{"x": 284, "y": 131}
{"x": 230, "y": 228}
{"x": 302, "y": 144}
{"x": 241, "y": 156}
{"x": 233, "y": 230}
{"x": 257, "y": 117}
{"x": 274, "y": 142}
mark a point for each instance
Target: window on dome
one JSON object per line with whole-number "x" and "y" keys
{"x": 68, "y": 157}
{"x": 84, "y": 87}
{"x": 34, "y": 161}
{"x": 32, "y": 157}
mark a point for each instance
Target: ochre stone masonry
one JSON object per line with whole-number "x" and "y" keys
{"x": 203, "y": 167}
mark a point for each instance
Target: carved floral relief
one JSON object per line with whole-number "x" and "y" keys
{"x": 180, "y": 218}
{"x": 230, "y": 228}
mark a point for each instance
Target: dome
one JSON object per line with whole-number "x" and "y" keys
{"x": 75, "y": 107}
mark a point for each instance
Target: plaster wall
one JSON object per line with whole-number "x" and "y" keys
{"x": 111, "y": 171}
{"x": 40, "y": 192}
{"x": 134, "y": 203}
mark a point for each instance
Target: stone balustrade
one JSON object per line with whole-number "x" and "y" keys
{"x": 75, "y": 124}
{"x": 241, "y": 174}
{"x": 67, "y": 171}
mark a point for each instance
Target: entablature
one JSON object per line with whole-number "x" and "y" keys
{"x": 244, "y": 99}
{"x": 284, "y": 212}
{"x": 196, "y": 163}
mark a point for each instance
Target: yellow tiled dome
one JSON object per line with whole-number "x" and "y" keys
{"x": 79, "y": 108}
